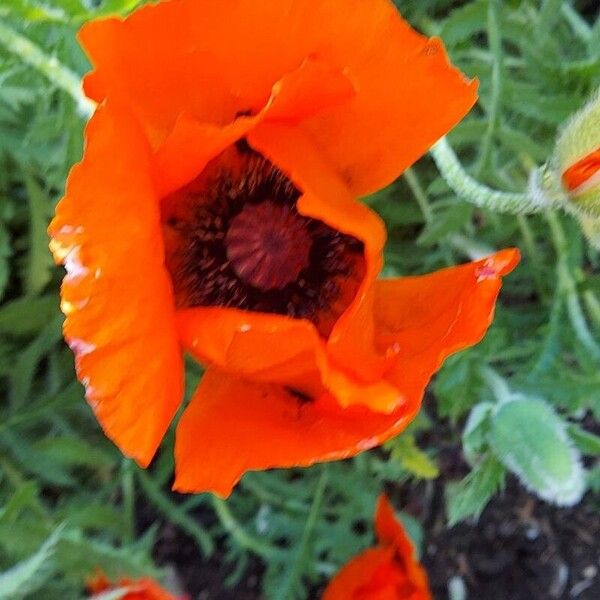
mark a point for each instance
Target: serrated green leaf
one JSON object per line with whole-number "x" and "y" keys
{"x": 30, "y": 574}
{"x": 531, "y": 440}
{"x": 458, "y": 384}
{"x": 476, "y": 429}
{"x": 25, "y": 316}
{"x": 470, "y": 496}
{"x": 4, "y": 254}
{"x": 27, "y": 361}
{"x": 24, "y": 496}
{"x": 39, "y": 263}
{"x": 405, "y": 450}
{"x": 70, "y": 451}
{"x": 446, "y": 221}
{"x": 464, "y": 22}
{"x": 586, "y": 441}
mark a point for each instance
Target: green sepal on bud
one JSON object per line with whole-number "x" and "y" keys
{"x": 577, "y": 158}
{"x": 571, "y": 179}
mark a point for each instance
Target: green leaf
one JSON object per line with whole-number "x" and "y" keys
{"x": 71, "y": 451}
{"x": 464, "y": 22}
{"x": 25, "y": 495}
{"x": 27, "y": 361}
{"x": 404, "y": 450}
{"x": 531, "y": 440}
{"x": 26, "y": 316}
{"x": 470, "y": 496}
{"x": 476, "y": 430}
{"x": 449, "y": 220}
{"x": 39, "y": 263}
{"x": 30, "y": 574}
{"x": 586, "y": 441}
{"x": 4, "y": 254}
{"x": 458, "y": 384}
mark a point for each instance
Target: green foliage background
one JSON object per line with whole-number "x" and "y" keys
{"x": 70, "y": 503}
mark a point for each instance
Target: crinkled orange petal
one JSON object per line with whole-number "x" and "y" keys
{"x": 138, "y": 589}
{"x": 214, "y": 60}
{"x": 116, "y": 294}
{"x": 350, "y": 582}
{"x": 390, "y": 532}
{"x": 233, "y": 425}
{"x": 191, "y": 144}
{"x": 389, "y": 571}
{"x": 350, "y": 354}
{"x": 427, "y": 318}
{"x": 276, "y": 349}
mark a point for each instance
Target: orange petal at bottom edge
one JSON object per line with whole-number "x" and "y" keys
{"x": 232, "y": 426}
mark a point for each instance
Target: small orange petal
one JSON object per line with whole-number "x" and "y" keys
{"x": 427, "y": 318}
{"x": 390, "y": 532}
{"x": 350, "y": 582}
{"x": 582, "y": 171}
{"x": 390, "y": 571}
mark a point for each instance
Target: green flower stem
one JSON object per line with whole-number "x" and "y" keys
{"x": 549, "y": 13}
{"x": 269, "y": 497}
{"x": 419, "y": 193}
{"x": 593, "y": 306}
{"x": 534, "y": 255}
{"x": 128, "y": 493}
{"x": 472, "y": 191}
{"x": 240, "y": 535}
{"x": 493, "y": 116}
{"x": 175, "y": 513}
{"x": 578, "y": 24}
{"x": 303, "y": 548}
{"x": 50, "y": 66}
{"x": 568, "y": 287}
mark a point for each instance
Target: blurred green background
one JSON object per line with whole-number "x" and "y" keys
{"x": 70, "y": 503}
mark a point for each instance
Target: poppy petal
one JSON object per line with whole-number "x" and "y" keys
{"x": 390, "y": 571}
{"x": 390, "y": 532}
{"x": 191, "y": 144}
{"x": 276, "y": 349}
{"x": 325, "y": 197}
{"x": 427, "y": 318}
{"x": 116, "y": 294}
{"x": 214, "y": 60}
{"x": 232, "y": 426}
{"x": 357, "y": 573}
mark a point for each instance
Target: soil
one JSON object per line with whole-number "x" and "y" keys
{"x": 521, "y": 548}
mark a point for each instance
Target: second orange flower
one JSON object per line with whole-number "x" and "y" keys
{"x": 215, "y": 212}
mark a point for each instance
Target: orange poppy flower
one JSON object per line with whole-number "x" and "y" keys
{"x": 215, "y": 212}
{"x": 390, "y": 571}
{"x": 138, "y": 589}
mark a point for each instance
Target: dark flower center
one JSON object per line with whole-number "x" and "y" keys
{"x": 234, "y": 238}
{"x": 268, "y": 245}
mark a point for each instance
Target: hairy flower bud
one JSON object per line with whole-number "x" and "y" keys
{"x": 577, "y": 159}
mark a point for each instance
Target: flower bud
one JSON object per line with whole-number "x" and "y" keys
{"x": 577, "y": 159}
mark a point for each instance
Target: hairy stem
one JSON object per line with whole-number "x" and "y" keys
{"x": 475, "y": 192}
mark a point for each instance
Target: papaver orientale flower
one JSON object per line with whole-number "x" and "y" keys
{"x": 215, "y": 212}
{"x": 389, "y": 571}
{"x": 132, "y": 589}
